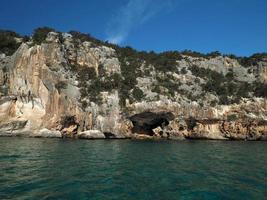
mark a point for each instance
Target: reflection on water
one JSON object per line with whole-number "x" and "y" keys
{"x": 124, "y": 169}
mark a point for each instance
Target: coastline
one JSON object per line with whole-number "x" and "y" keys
{"x": 133, "y": 138}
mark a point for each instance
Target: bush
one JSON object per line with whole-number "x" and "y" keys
{"x": 85, "y": 73}
{"x": 83, "y": 37}
{"x": 252, "y": 60}
{"x": 206, "y": 73}
{"x": 39, "y": 34}
{"x": 167, "y": 83}
{"x": 61, "y": 85}
{"x": 183, "y": 70}
{"x": 8, "y": 44}
{"x": 166, "y": 61}
{"x": 232, "y": 117}
{"x": 156, "y": 89}
{"x": 193, "y": 54}
{"x": 260, "y": 89}
{"x": 138, "y": 94}
{"x": 213, "y": 54}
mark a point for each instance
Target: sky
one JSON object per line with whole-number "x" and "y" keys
{"x": 230, "y": 26}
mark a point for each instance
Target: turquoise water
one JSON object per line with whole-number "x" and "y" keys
{"x": 124, "y": 169}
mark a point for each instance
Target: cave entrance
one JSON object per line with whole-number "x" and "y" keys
{"x": 144, "y": 123}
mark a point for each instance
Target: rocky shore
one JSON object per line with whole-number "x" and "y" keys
{"x": 73, "y": 86}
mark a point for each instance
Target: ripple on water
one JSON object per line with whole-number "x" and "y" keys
{"x": 75, "y": 169}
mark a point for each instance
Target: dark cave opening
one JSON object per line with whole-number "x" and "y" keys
{"x": 145, "y": 122}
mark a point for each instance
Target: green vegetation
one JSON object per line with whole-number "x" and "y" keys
{"x": 138, "y": 94}
{"x": 86, "y": 37}
{"x": 260, "y": 89}
{"x": 130, "y": 63}
{"x": 164, "y": 62}
{"x": 252, "y": 60}
{"x": 196, "y": 54}
{"x": 92, "y": 85}
{"x": 232, "y": 117}
{"x": 8, "y": 43}
{"x": 39, "y": 34}
{"x": 61, "y": 85}
{"x": 226, "y": 87}
{"x": 183, "y": 70}
{"x": 249, "y": 61}
{"x": 167, "y": 83}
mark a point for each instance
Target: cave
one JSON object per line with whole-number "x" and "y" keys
{"x": 109, "y": 135}
{"x": 145, "y": 122}
{"x": 66, "y": 122}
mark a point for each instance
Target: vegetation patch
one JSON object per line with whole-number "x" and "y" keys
{"x": 40, "y": 34}
{"x": 8, "y": 43}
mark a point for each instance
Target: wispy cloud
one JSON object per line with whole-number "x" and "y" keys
{"x": 132, "y": 15}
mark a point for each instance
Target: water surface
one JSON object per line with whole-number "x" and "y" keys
{"x": 124, "y": 169}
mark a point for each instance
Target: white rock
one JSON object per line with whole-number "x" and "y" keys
{"x": 2, "y": 55}
{"x": 45, "y": 133}
{"x": 91, "y": 134}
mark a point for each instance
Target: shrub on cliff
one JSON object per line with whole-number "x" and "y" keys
{"x": 213, "y": 54}
{"x": 39, "y": 34}
{"x": 61, "y": 85}
{"x": 86, "y": 37}
{"x": 252, "y": 60}
{"x": 183, "y": 70}
{"x": 8, "y": 44}
{"x": 193, "y": 54}
{"x": 138, "y": 94}
{"x": 164, "y": 62}
{"x": 232, "y": 117}
{"x": 260, "y": 89}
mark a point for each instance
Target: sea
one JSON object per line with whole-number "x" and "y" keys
{"x": 38, "y": 169}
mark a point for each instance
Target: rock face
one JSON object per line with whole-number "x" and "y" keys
{"x": 72, "y": 85}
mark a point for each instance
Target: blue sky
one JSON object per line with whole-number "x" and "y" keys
{"x": 229, "y": 26}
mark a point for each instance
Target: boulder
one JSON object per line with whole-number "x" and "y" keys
{"x": 14, "y": 128}
{"x": 176, "y": 136}
{"x": 158, "y": 131}
{"x": 91, "y": 134}
{"x": 45, "y": 133}
{"x": 142, "y": 137}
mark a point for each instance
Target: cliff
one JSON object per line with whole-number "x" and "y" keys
{"x": 73, "y": 85}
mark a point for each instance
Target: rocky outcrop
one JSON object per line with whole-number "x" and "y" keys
{"x": 215, "y": 129}
{"x": 14, "y": 128}
{"x": 71, "y": 85}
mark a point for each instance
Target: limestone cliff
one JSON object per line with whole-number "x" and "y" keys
{"x": 72, "y": 85}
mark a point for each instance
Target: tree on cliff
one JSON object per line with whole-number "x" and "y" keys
{"x": 8, "y": 43}
{"x": 39, "y": 34}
